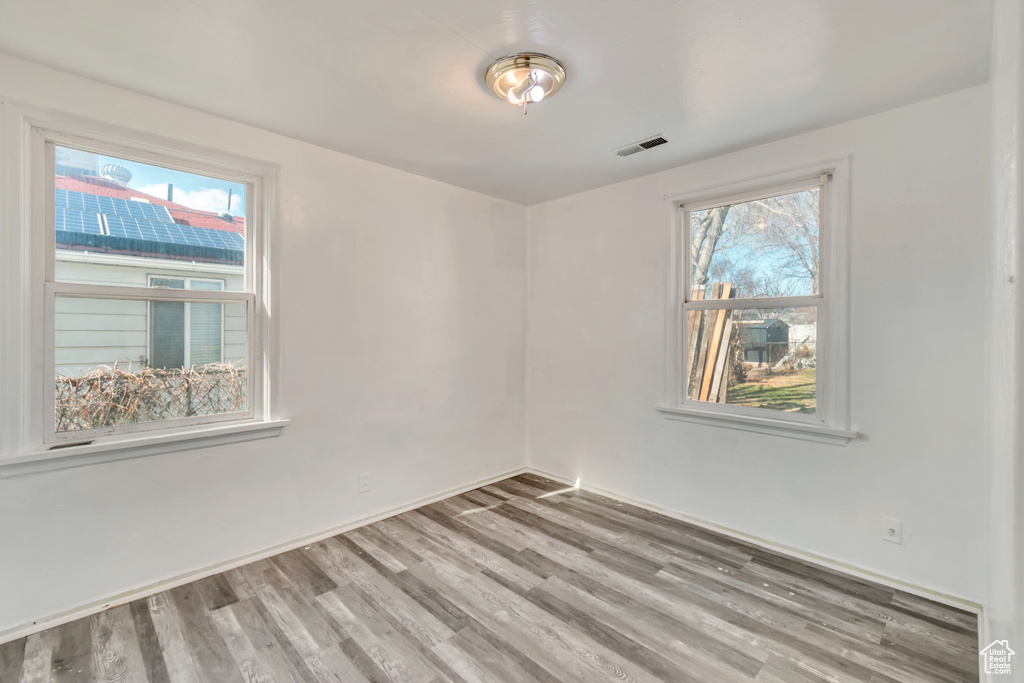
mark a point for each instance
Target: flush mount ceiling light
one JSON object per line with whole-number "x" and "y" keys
{"x": 526, "y": 77}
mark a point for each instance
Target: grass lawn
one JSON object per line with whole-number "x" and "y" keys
{"x": 794, "y": 392}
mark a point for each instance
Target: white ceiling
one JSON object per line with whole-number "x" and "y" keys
{"x": 400, "y": 82}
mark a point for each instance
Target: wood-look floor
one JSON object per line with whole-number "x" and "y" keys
{"x": 523, "y": 580}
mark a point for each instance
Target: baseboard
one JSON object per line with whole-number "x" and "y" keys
{"x": 795, "y": 553}
{"x": 984, "y": 629}
{"x": 180, "y": 580}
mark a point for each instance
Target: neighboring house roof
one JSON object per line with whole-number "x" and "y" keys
{"x": 104, "y": 188}
{"x": 95, "y": 215}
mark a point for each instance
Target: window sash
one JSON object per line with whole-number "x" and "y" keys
{"x": 54, "y": 290}
{"x": 821, "y": 181}
{"x": 198, "y": 328}
{"x": 44, "y": 189}
{"x": 774, "y": 190}
{"x": 167, "y": 330}
{"x": 189, "y": 319}
{"x": 819, "y": 378}
{"x": 90, "y": 291}
{"x": 740, "y": 304}
{"x": 41, "y": 175}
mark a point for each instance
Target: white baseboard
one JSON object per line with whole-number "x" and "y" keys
{"x": 810, "y": 558}
{"x": 984, "y": 629}
{"x": 145, "y": 591}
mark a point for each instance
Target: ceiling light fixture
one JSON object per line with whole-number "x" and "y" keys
{"x": 525, "y": 77}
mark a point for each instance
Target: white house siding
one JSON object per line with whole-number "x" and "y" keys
{"x": 94, "y": 332}
{"x": 803, "y": 334}
{"x": 235, "y": 334}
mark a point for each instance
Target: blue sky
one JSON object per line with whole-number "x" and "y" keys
{"x": 744, "y": 245}
{"x": 191, "y": 190}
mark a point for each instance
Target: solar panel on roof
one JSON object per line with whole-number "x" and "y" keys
{"x": 134, "y": 210}
{"x": 76, "y": 221}
{"x": 154, "y": 212}
{"x": 112, "y": 205}
{"x": 115, "y": 225}
{"x": 106, "y": 205}
{"x": 126, "y": 226}
{"x": 78, "y": 212}
{"x": 148, "y": 231}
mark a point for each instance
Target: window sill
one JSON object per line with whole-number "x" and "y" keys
{"x": 134, "y": 446}
{"x": 762, "y": 425}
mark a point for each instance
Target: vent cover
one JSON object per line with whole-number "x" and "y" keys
{"x": 641, "y": 146}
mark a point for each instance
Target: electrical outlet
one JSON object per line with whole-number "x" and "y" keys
{"x": 364, "y": 482}
{"x": 892, "y": 530}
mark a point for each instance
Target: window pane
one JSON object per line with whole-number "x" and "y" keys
{"x": 765, "y": 248}
{"x": 104, "y": 375}
{"x": 117, "y": 220}
{"x": 204, "y": 335}
{"x": 760, "y": 358}
{"x": 167, "y": 334}
{"x": 206, "y": 321}
{"x": 169, "y": 283}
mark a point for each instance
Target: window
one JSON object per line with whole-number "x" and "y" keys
{"x": 759, "y": 312}
{"x": 184, "y": 334}
{"x": 141, "y": 318}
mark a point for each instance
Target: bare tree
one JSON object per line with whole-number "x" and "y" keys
{"x": 767, "y": 248}
{"x": 789, "y": 235}
{"x": 704, "y": 238}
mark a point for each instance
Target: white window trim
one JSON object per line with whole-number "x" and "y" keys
{"x": 188, "y": 320}
{"x": 128, "y": 446}
{"x": 27, "y": 291}
{"x": 831, "y": 421}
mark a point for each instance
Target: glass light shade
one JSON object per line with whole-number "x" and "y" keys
{"x": 509, "y": 77}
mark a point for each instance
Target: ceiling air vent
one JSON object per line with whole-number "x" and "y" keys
{"x": 641, "y": 146}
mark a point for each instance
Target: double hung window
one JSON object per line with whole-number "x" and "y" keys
{"x": 759, "y": 310}
{"x": 182, "y": 333}
{"x": 153, "y": 298}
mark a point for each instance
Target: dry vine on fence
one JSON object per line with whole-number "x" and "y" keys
{"x": 108, "y": 396}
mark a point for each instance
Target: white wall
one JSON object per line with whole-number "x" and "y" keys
{"x": 596, "y": 302}
{"x": 1005, "y": 410}
{"x": 401, "y": 318}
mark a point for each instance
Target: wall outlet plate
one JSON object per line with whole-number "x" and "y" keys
{"x": 364, "y": 482}
{"x": 892, "y": 530}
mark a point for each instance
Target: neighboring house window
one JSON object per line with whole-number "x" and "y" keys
{"x": 759, "y": 322}
{"x": 153, "y": 289}
{"x": 184, "y": 334}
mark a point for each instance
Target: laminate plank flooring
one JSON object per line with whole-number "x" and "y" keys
{"x": 523, "y": 580}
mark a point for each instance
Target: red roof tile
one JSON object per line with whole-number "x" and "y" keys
{"x": 104, "y": 188}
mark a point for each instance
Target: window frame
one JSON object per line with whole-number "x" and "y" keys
{"x": 26, "y": 297}
{"x": 187, "y": 337}
{"x": 44, "y": 141}
{"x": 830, "y": 422}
